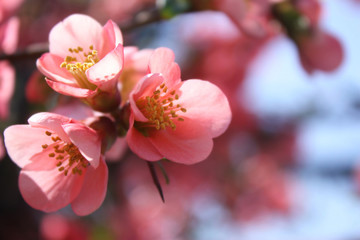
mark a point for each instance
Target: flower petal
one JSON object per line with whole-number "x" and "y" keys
{"x": 7, "y": 86}
{"x": 86, "y": 140}
{"x": 51, "y": 121}
{"x": 206, "y": 105}
{"x": 49, "y": 65}
{"x": 93, "y": 191}
{"x": 112, "y": 37}
{"x": 75, "y": 30}
{"x": 187, "y": 144}
{"x": 141, "y": 145}
{"x": 145, "y": 87}
{"x": 70, "y": 90}
{"x": 24, "y": 141}
{"x": 162, "y": 61}
{"x": 106, "y": 72}
{"x": 48, "y": 190}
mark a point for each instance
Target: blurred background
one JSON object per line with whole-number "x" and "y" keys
{"x": 288, "y": 167}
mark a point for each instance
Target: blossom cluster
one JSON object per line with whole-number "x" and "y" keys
{"x": 132, "y": 94}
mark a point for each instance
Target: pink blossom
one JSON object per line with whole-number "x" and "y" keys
{"x": 9, "y": 33}
{"x": 174, "y": 119}
{"x": 84, "y": 60}
{"x": 7, "y": 8}
{"x": 321, "y": 51}
{"x": 36, "y": 90}
{"x": 56, "y": 227}
{"x": 118, "y": 10}
{"x": 7, "y": 86}
{"x": 60, "y": 161}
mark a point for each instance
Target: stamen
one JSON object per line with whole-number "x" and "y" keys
{"x": 66, "y": 155}
{"x": 77, "y": 65}
{"x": 160, "y": 109}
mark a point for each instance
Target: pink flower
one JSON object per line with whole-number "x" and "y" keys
{"x": 9, "y": 33}
{"x": 7, "y": 86}
{"x": 61, "y": 163}
{"x": 174, "y": 119}
{"x": 84, "y": 60}
{"x": 320, "y": 51}
{"x": 36, "y": 90}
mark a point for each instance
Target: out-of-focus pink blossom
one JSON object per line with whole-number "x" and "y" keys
{"x": 7, "y": 8}
{"x": 37, "y": 91}
{"x": 7, "y": 86}
{"x": 118, "y": 10}
{"x": 311, "y": 9}
{"x": 143, "y": 215}
{"x": 9, "y": 33}
{"x": 85, "y": 60}
{"x": 250, "y": 16}
{"x": 202, "y": 28}
{"x": 60, "y": 161}
{"x": 320, "y": 51}
{"x": 58, "y": 227}
{"x": 174, "y": 119}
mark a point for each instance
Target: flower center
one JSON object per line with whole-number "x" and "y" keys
{"x": 78, "y": 62}
{"x": 67, "y": 156}
{"x": 159, "y": 109}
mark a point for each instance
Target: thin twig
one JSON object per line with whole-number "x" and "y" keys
{"x": 156, "y": 180}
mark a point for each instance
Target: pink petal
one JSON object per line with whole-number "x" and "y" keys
{"x": 141, "y": 145}
{"x": 129, "y": 51}
{"x": 188, "y": 144}
{"x": 93, "y": 191}
{"x": 11, "y": 34}
{"x": 145, "y": 87}
{"x": 140, "y": 60}
{"x": 24, "y": 141}
{"x": 321, "y": 51}
{"x": 86, "y": 140}
{"x": 162, "y": 61}
{"x": 50, "y": 121}
{"x": 7, "y": 86}
{"x": 106, "y": 72}
{"x": 70, "y": 90}
{"x": 112, "y": 37}
{"x": 49, "y": 65}
{"x": 75, "y": 30}
{"x": 48, "y": 190}
{"x": 206, "y": 106}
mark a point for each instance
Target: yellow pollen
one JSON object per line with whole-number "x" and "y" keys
{"x": 159, "y": 109}
{"x": 78, "y": 62}
{"x": 66, "y": 155}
